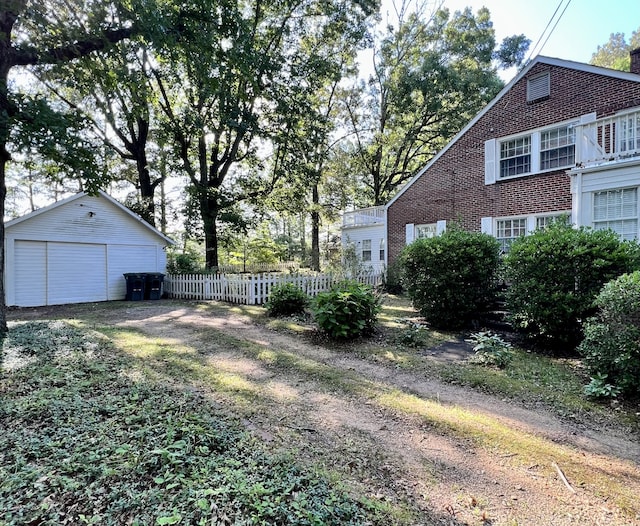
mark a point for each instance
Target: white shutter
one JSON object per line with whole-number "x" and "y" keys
{"x": 486, "y": 225}
{"x": 409, "y": 233}
{"x": 441, "y": 226}
{"x": 490, "y": 165}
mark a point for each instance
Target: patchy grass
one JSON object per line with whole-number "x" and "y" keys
{"x": 90, "y": 437}
{"x": 119, "y": 427}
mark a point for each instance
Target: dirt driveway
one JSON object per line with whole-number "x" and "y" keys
{"x": 459, "y": 456}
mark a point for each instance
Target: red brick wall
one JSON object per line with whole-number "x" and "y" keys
{"x": 453, "y": 188}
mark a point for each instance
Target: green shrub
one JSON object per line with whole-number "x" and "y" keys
{"x": 611, "y": 346}
{"x": 349, "y": 310}
{"x": 490, "y": 349}
{"x": 452, "y": 277}
{"x": 187, "y": 262}
{"x": 554, "y": 275}
{"x": 286, "y": 299}
{"x": 392, "y": 278}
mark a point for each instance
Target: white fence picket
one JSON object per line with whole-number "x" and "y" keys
{"x": 249, "y": 289}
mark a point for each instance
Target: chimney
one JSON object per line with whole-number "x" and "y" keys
{"x": 635, "y": 61}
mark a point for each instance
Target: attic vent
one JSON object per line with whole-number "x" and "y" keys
{"x": 538, "y": 87}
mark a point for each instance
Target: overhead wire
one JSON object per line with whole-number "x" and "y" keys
{"x": 539, "y": 47}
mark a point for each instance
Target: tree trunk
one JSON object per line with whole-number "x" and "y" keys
{"x": 315, "y": 229}
{"x": 209, "y": 212}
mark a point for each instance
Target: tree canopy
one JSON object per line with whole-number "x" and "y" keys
{"x": 615, "y": 53}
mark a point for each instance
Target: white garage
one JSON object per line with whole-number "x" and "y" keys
{"x": 77, "y": 251}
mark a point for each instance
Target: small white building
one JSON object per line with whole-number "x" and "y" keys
{"x": 365, "y": 231}
{"x": 77, "y": 250}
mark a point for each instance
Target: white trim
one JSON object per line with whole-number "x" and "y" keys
{"x": 441, "y": 227}
{"x": 537, "y": 60}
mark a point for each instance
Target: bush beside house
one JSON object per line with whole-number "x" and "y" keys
{"x": 611, "y": 346}
{"x": 451, "y": 278}
{"x": 554, "y": 275}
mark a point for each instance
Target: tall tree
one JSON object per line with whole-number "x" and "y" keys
{"x": 232, "y": 81}
{"x": 36, "y": 32}
{"x": 431, "y": 73}
{"x": 615, "y": 53}
{"x": 111, "y": 88}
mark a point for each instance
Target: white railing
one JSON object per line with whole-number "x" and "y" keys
{"x": 249, "y": 289}
{"x": 608, "y": 139}
{"x": 363, "y": 216}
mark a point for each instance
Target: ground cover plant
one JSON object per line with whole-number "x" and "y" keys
{"x": 382, "y": 422}
{"x": 83, "y": 442}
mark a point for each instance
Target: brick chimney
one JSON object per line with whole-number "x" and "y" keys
{"x": 635, "y": 61}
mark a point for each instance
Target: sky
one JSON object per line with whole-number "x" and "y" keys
{"x": 584, "y": 26}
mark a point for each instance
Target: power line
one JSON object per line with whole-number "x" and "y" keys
{"x": 539, "y": 49}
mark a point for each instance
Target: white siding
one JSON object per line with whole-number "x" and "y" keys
{"x": 30, "y": 274}
{"x": 85, "y": 220}
{"x": 129, "y": 258}
{"x": 589, "y": 183}
{"x": 375, "y": 233}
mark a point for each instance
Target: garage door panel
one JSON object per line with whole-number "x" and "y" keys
{"x": 77, "y": 272}
{"x": 30, "y": 271}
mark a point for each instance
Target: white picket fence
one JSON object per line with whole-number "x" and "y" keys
{"x": 249, "y": 289}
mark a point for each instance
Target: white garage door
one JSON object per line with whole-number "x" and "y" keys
{"x": 76, "y": 273}
{"x": 30, "y": 273}
{"x": 58, "y": 273}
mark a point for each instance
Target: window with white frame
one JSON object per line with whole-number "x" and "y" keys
{"x": 557, "y": 147}
{"x": 537, "y": 151}
{"x": 630, "y": 133}
{"x": 382, "y": 249}
{"x": 508, "y": 230}
{"x": 617, "y": 210}
{"x": 545, "y": 221}
{"x": 426, "y": 231}
{"x": 515, "y": 156}
{"x": 366, "y": 250}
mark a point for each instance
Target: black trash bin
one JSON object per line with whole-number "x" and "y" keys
{"x": 135, "y": 286}
{"x": 153, "y": 285}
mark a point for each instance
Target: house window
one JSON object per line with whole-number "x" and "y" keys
{"x": 557, "y": 147}
{"x": 508, "y": 230}
{"x": 545, "y": 221}
{"x": 538, "y": 87}
{"x": 366, "y": 250}
{"x": 426, "y": 231}
{"x": 617, "y": 210}
{"x": 630, "y": 133}
{"x": 515, "y": 156}
{"x": 382, "y": 250}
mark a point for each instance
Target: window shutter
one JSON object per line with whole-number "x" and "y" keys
{"x": 409, "y": 233}
{"x": 486, "y": 225}
{"x": 441, "y": 226}
{"x": 490, "y": 161}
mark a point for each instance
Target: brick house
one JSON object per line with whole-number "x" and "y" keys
{"x": 561, "y": 139}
